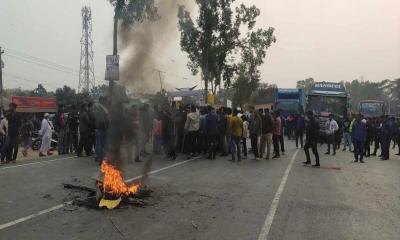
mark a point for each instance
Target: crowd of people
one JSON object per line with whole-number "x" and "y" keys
{"x": 193, "y": 131}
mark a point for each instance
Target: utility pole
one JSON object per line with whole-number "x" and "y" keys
{"x": 159, "y": 75}
{"x": 1, "y": 81}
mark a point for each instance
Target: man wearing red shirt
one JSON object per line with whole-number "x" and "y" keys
{"x": 277, "y": 134}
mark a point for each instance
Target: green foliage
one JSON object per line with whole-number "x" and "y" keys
{"x": 213, "y": 41}
{"x": 160, "y": 99}
{"x": 253, "y": 52}
{"x": 365, "y": 90}
{"x": 134, "y": 11}
{"x": 66, "y": 96}
{"x": 98, "y": 91}
{"x": 305, "y": 84}
{"x": 40, "y": 91}
{"x": 263, "y": 94}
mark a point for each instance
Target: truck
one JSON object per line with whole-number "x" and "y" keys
{"x": 289, "y": 101}
{"x": 372, "y": 108}
{"x": 325, "y": 98}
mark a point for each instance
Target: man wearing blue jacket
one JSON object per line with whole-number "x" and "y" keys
{"x": 359, "y": 135}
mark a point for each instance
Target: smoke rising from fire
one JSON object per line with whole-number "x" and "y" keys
{"x": 143, "y": 45}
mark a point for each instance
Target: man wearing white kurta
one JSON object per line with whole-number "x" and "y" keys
{"x": 331, "y": 128}
{"x": 46, "y": 132}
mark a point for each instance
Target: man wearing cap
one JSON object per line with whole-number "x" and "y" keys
{"x": 46, "y": 130}
{"x": 359, "y": 135}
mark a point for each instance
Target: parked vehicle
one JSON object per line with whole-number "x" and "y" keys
{"x": 327, "y": 98}
{"x": 372, "y": 108}
{"x": 289, "y": 101}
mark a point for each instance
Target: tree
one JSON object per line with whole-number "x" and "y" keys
{"x": 40, "y": 91}
{"x": 264, "y": 94}
{"x": 305, "y": 84}
{"x": 365, "y": 90}
{"x": 66, "y": 96}
{"x": 160, "y": 99}
{"x": 130, "y": 12}
{"x": 212, "y": 42}
{"x": 98, "y": 91}
{"x": 253, "y": 51}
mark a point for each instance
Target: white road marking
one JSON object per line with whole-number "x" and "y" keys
{"x": 34, "y": 163}
{"x": 23, "y": 219}
{"x": 12, "y": 223}
{"x": 275, "y": 202}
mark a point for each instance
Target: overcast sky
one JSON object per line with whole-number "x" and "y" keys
{"x": 330, "y": 40}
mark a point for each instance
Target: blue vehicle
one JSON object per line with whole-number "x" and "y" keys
{"x": 327, "y": 98}
{"x": 289, "y": 101}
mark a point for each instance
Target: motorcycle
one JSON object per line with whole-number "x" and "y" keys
{"x": 37, "y": 141}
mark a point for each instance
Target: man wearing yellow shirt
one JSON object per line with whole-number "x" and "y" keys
{"x": 236, "y": 131}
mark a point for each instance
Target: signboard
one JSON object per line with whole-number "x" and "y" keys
{"x": 326, "y": 86}
{"x": 34, "y": 104}
{"x": 112, "y": 67}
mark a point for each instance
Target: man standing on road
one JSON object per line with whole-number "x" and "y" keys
{"x": 168, "y": 134}
{"x": 277, "y": 134}
{"x": 26, "y": 135}
{"x": 236, "y": 130}
{"x": 283, "y": 131}
{"x": 11, "y": 143}
{"x": 61, "y": 127}
{"x": 246, "y": 135}
{"x": 46, "y": 132}
{"x": 377, "y": 135}
{"x": 192, "y": 128}
{"x": 84, "y": 132}
{"x": 101, "y": 126}
{"x": 212, "y": 132}
{"x": 3, "y": 135}
{"x": 255, "y": 132}
{"x": 398, "y": 137}
{"x": 223, "y": 129}
{"x": 312, "y": 135}
{"x": 386, "y": 137}
{"x": 300, "y": 126}
{"x": 347, "y": 134}
{"x": 359, "y": 135}
{"x": 72, "y": 130}
{"x": 267, "y": 132}
{"x": 331, "y": 128}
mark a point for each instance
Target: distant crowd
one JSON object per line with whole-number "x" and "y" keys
{"x": 191, "y": 130}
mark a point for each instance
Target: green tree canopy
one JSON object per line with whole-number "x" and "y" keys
{"x": 305, "y": 84}
{"x": 213, "y": 41}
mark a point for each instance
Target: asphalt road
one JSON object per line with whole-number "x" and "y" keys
{"x": 211, "y": 199}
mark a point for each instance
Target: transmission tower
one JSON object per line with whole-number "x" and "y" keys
{"x": 86, "y": 71}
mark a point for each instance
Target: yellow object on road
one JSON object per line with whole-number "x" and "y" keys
{"x": 109, "y": 204}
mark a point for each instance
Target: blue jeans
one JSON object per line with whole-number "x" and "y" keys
{"x": 100, "y": 144}
{"x": 347, "y": 140}
{"x": 235, "y": 147}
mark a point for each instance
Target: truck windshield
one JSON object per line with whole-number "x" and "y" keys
{"x": 372, "y": 109}
{"x": 287, "y": 106}
{"x": 327, "y": 104}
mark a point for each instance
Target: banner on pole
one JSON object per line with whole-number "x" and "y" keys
{"x": 112, "y": 68}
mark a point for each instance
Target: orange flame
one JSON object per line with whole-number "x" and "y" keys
{"x": 113, "y": 182}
